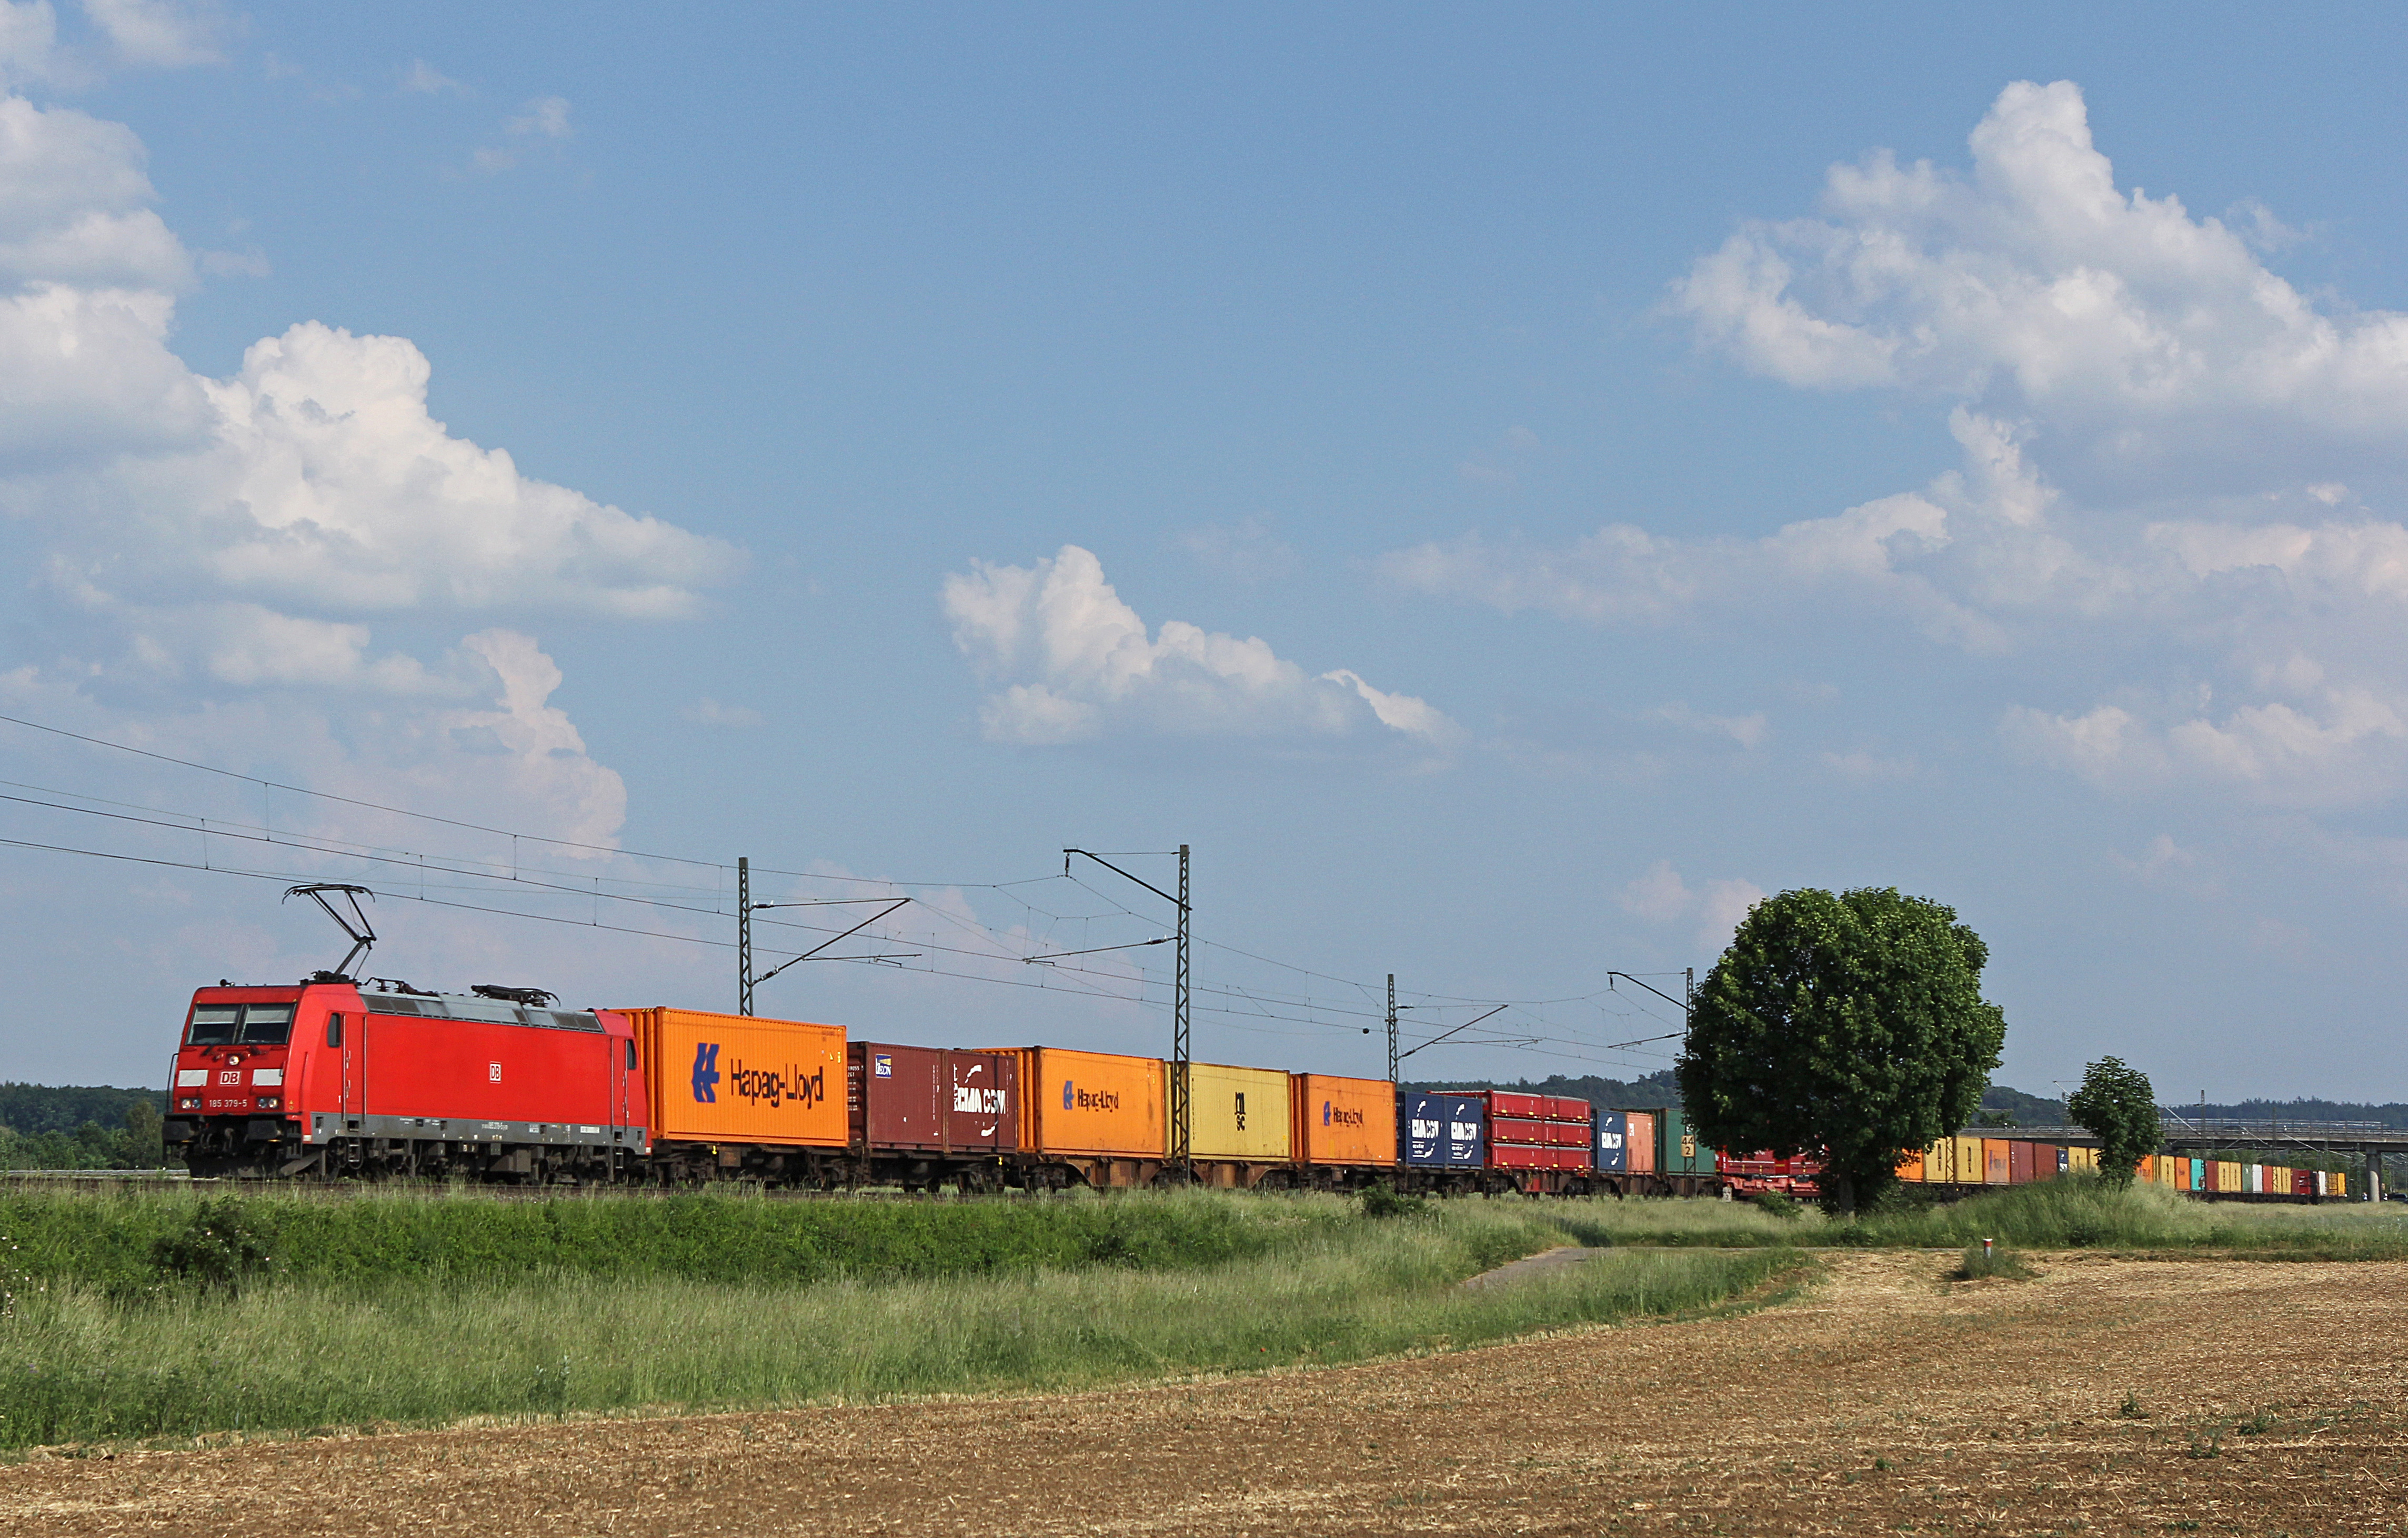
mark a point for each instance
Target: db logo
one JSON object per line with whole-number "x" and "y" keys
{"x": 231, "y": 1075}
{"x": 493, "y": 1073}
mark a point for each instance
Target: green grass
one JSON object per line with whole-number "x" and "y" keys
{"x": 2071, "y": 1212}
{"x": 1984, "y": 1261}
{"x": 114, "y": 1240}
{"x": 78, "y": 1362}
{"x": 2082, "y": 1211}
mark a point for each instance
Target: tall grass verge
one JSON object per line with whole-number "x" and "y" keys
{"x": 76, "y": 1364}
{"x": 2082, "y": 1211}
{"x": 2072, "y": 1212}
{"x": 135, "y": 1240}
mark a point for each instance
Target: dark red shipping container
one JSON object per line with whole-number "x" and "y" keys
{"x": 1505, "y": 1102}
{"x": 929, "y": 1099}
{"x": 2019, "y": 1163}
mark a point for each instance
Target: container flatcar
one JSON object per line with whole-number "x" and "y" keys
{"x": 741, "y": 1095}
{"x": 921, "y": 1117}
{"x": 1239, "y": 1131}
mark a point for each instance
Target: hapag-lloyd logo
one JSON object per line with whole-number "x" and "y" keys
{"x": 1338, "y": 1115}
{"x": 778, "y": 1085}
{"x": 773, "y": 1084}
{"x": 1075, "y": 1099}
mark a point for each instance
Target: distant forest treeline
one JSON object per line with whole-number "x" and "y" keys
{"x": 80, "y": 1127}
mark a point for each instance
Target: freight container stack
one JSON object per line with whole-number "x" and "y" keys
{"x": 1344, "y": 1130}
{"x": 734, "y": 1095}
{"x": 1639, "y": 1154}
{"x": 1239, "y": 1127}
{"x": 1664, "y": 1158}
{"x": 1612, "y": 1142}
{"x": 921, "y": 1117}
{"x": 1443, "y": 1140}
{"x": 1541, "y": 1142}
{"x": 1091, "y": 1118}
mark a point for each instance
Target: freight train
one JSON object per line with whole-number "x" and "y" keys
{"x": 1965, "y": 1163}
{"x": 331, "y": 1079}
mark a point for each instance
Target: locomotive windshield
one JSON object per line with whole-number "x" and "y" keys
{"x": 249, "y": 1025}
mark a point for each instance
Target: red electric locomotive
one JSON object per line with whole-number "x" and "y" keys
{"x": 325, "y": 1077}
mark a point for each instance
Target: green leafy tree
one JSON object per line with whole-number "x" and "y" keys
{"x": 2117, "y": 1105}
{"x": 1849, "y": 1025}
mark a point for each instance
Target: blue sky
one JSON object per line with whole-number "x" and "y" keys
{"x": 1507, "y": 487}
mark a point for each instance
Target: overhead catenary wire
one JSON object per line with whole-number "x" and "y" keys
{"x": 1234, "y": 1005}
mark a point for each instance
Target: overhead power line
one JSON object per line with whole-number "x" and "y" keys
{"x": 1234, "y": 1005}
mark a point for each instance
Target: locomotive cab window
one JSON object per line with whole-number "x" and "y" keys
{"x": 213, "y": 1025}
{"x": 631, "y": 1055}
{"x": 267, "y": 1025}
{"x": 333, "y": 1031}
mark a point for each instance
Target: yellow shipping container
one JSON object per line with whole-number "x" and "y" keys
{"x": 1937, "y": 1159}
{"x": 1343, "y": 1121}
{"x": 2336, "y": 1184}
{"x": 734, "y": 1078}
{"x": 1238, "y": 1113}
{"x": 2228, "y": 1175}
{"x": 1093, "y": 1102}
{"x": 2078, "y": 1157}
{"x": 1968, "y": 1161}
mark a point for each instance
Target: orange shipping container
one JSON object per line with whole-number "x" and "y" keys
{"x": 1911, "y": 1166}
{"x": 1343, "y": 1121}
{"x": 1995, "y": 1164}
{"x": 734, "y": 1078}
{"x": 1093, "y": 1102}
{"x": 1641, "y": 1145}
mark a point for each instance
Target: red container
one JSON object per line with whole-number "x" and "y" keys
{"x": 1641, "y": 1147}
{"x": 2303, "y": 1183}
{"x": 2019, "y": 1163}
{"x": 1540, "y": 1131}
{"x": 928, "y": 1099}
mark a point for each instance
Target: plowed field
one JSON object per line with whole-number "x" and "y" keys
{"x": 2106, "y": 1396}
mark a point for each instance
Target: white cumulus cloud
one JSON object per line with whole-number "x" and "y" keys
{"x": 210, "y": 553}
{"x": 1658, "y": 895}
{"x": 2165, "y": 449}
{"x": 1067, "y": 660}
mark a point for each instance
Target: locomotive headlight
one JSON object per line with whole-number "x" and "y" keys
{"x": 268, "y": 1102}
{"x": 190, "y": 1102}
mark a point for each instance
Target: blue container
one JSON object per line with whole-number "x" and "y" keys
{"x": 1443, "y": 1131}
{"x": 1612, "y": 1140}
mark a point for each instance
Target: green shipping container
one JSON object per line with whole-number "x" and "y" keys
{"x": 1678, "y": 1152}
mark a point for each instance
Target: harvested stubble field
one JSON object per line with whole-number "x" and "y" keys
{"x": 2107, "y": 1395}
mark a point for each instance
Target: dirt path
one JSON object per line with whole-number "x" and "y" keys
{"x": 1884, "y": 1400}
